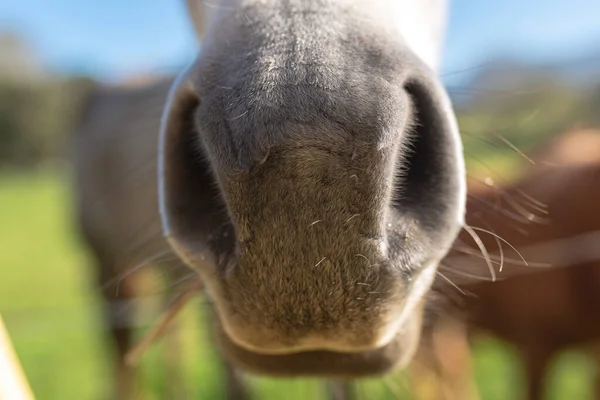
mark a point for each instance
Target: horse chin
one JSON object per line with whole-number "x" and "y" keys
{"x": 395, "y": 355}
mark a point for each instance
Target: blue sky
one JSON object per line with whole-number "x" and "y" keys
{"x": 111, "y": 38}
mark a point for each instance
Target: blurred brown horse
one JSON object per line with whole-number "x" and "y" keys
{"x": 550, "y": 216}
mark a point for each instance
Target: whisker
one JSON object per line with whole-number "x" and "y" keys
{"x": 133, "y": 269}
{"x": 520, "y": 230}
{"x": 515, "y": 148}
{"x": 482, "y": 139}
{"x": 239, "y": 116}
{"x": 527, "y": 199}
{"x": 266, "y": 156}
{"x": 450, "y": 282}
{"x": 181, "y": 280}
{"x": 507, "y": 260}
{"x": 464, "y": 274}
{"x": 462, "y": 71}
{"x": 362, "y": 256}
{"x": 351, "y": 218}
{"x": 527, "y": 214}
{"x": 481, "y": 246}
{"x": 503, "y": 211}
{"x": 531, "y": 199}
{"x": 158, "y": 330}
{"x": 511, "y": 199}
{"x": 486, "y": 166}
{"x": 505, "y": 241}
{"x": 527, "y": 203}
{"x": 498, "y": 242}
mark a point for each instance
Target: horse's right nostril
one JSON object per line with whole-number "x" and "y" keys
{"x": 432, "y": 174}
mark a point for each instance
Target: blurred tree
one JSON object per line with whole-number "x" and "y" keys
{"x": 36, "y": 118}
{"x": 37, "y": 109}
{"x": 18, "y": 61}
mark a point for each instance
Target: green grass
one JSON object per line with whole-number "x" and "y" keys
{"x": 53, "y": 316}
{"x": 44, "y": 291}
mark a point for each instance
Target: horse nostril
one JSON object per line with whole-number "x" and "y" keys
{"x": 432, "y": 172}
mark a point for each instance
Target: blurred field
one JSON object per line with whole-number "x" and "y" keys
{"x": 52, "y": 313}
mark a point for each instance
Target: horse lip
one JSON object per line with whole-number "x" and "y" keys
{"x": 396, "y": 354}
{"x": 316, "y": 363}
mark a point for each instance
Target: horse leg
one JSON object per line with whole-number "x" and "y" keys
{"x": 423, "y": 373}
{"x": 536, "y": 357}
{"x": 237, "y": 387}
{"x": 118, "y": 316}
{"x": 236, "y": 384}
{"x": 173, "y": 356}
{"x": 340, "y": 390}
{"x": 442, "y": 366}
{"x": 594, "y": 352}
{"x": 452, "y": 349}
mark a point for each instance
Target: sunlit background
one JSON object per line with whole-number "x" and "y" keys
{"x": 519, "y": 72}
